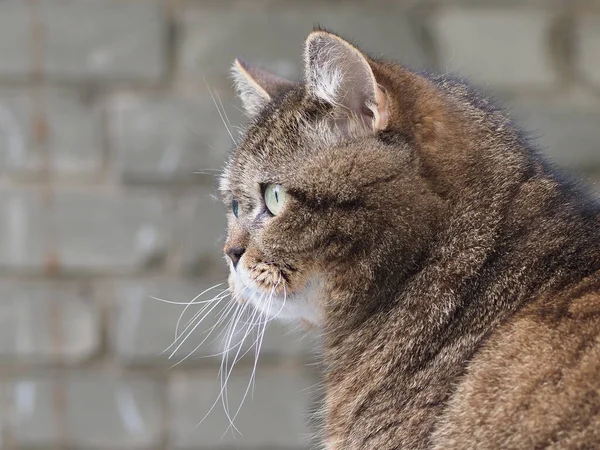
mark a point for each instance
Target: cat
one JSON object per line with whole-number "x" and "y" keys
{"x": 453, "y": 273}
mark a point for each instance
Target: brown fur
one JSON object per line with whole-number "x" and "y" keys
{"x": 460, "y": 274}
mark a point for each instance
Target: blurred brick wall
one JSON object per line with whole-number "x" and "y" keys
{"x": 106, "y": 114}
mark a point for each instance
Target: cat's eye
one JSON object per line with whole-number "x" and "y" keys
{"x": 275, "y": 198}
{"x": 235, "y": 207}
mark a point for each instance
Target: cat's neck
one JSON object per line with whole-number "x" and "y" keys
{"x": 534, "y": 243}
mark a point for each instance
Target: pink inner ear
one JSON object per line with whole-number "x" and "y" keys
{"x": 381, "y": 114}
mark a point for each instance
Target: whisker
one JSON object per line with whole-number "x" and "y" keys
{"x": 213, "y": 172}
{"x": 170, "y": 302}
{"x": 219, "y": 321}
{"x": 217, "y": 299}
{"x": 258, "y": 344}
{"x": 195, "y": 326}
{"x": 207, "y": 305}
{"x": 191, "y": 303}
{"x": 240, "y": 326}
{"x": 236, "y": 358}
{"x": 223, "y": 369}
{"x": 221, "y": 295}
{"x": 223, "y": 109}
{"x": 219, "y": 111}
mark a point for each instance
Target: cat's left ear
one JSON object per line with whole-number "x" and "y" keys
{"x": 256, "y": 87}
{"x": 340, "y": 74}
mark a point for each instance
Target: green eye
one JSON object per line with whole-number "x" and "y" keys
{"x": 275, "y": 198}
{"x": 234, "y": 207}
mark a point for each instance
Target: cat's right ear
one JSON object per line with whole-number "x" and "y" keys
{"x": 256, "y": 87}
{"x": 340, "y": 74}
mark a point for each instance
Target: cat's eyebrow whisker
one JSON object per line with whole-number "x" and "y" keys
{"x": 241, "y": 110}
{"x": 213, "y": 172}
{"x": 223, "y": 109}
{"x": 315, "y": 387}
{"x": 219, "y": 111}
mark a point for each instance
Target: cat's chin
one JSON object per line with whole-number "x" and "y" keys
{"x": 288, "y": 306}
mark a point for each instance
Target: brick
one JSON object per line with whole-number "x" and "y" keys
{"x": 23, "y": 231}
{"x": 201, "y": 229}
{"x": 74, "y": 133}
{"x": 86, "y": 410}
{"x": 170, "y": 138}
{"x": 32, "y": 404}
{"x": 588, "y": 47}
{"x": 99, "y": 40}
{"x": 273, "y": 416}
{"x": 144, "y": 327}
{"x": 109, "y": 233}
{"x": 17, "y": 145}
{"x": 500, "y": 47}
{"x": 212, "y": 37}
{"x": 43, "y": 322}
{"x": 104, "y": 39}
{"x": 72, "y": 145}
{"x": 566, "y": 130}
{"x": 15, "y": 57}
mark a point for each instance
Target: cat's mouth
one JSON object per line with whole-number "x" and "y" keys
{"x": 275, "y": 300}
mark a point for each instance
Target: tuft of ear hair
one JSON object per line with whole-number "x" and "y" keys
{"x": 256, "y": 87}
{"x": 340, "y": 74}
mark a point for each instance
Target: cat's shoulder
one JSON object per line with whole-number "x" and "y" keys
{"x": 536, "y": 383}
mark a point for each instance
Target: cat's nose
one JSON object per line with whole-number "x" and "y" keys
{"x": 235, "y": 254}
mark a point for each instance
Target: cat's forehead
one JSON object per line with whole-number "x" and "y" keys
{"x": 276, "y": 138}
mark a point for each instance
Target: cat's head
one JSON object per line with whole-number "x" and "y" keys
{"x": 340, "y": 181}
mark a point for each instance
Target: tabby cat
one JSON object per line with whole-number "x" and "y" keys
{"x": 454, "y": 275}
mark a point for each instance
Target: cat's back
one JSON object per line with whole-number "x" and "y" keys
{"x": 536, "y": 384}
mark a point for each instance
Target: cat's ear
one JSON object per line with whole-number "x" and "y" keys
{"x": 339, "y": 73}
{"x": 255, "y": 86}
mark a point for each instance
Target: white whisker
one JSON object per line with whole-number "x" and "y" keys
{"x": 216, "y": 299}
{"x": 258, "y": 344}
{"x": 195, "y": 326}
{"x": 208, "y": 333}
{"x": 219, "y": 111}
{"x": 223, "y": 369}
{"x": 223, "y": 109}
{"x": 191, "y": 303}
{"x": 236, "y": 358}
{"x": 221, "y": 295}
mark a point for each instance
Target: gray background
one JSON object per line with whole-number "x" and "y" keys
{"x": 106, "y": 115}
